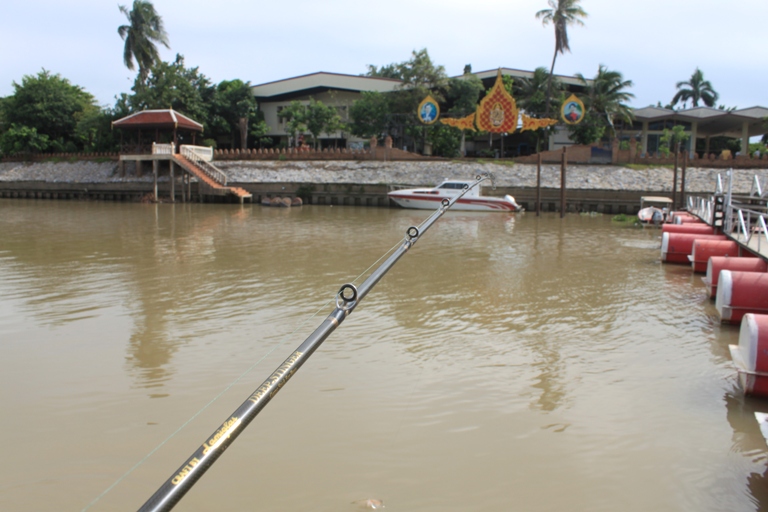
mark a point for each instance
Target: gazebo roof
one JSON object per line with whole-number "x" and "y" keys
{"x": 164, "y": 119}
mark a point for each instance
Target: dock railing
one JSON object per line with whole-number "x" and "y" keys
{"x": 201, "y": 157}
{"x": 706, "y": 207}
{"x": 744, "y": 216}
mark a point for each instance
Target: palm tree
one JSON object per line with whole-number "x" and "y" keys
{"x": 561, "y": 14}
{"x": 531, "y": 93}
{"x": 607, "y": 96}
{"x": 696, "y": 89}
{"x": 145, "y": 29}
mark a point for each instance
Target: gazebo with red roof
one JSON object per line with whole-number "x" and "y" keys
{"x": 161, "y": 121}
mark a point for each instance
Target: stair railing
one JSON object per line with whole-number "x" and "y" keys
{"x": 196, "y": 155}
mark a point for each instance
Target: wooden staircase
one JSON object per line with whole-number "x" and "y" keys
{"x": 211, "y": 181}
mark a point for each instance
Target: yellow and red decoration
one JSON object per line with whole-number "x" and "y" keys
{"x": 462, "y": 123}
{"x": 429, "y": 110}
{"x": 572, "y": 111}
{"x": 497, "y": 112}
{"x": 533, "y": 123}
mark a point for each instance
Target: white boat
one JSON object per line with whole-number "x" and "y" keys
{"x": 431, "y": 198}
{"x": 653, "y": 210}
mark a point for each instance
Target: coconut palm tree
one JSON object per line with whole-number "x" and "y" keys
{"x": 561, "y": 14}
{"x": 145, "y": 29}
{"x": 531, "y": 93}
{"x": 696, "y": 89}
{"x": 607, "y": 96}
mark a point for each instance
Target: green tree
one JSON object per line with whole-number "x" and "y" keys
{"x": 369, "y": 115}
{"x": 695, "y": 89}
{"x": 561, "y": 14}
{"x": 50, "y": 106}
{"x": 420, "y": 77}
{"x": 172, "y": 85}
{"x": 445, "y": 140}
{"x": 23, "y": 139}
{"x": 463, "y": 93}
{"x": 671, "y": 140}
{"x": 318, "y": 117}
{"x": 531, "y": 96}
{"x": 607, "y": 96}
{"x": 295, "y": 116}
{"x": 531, "y": 93}
{"x": 145, "y": 28}
{"x": 590, "y": 130}
{"x": 232, "y": 111}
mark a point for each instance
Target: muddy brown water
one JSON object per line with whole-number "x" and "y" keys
{"x": 505, "y": 363}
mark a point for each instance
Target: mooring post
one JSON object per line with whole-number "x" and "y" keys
{"x": 155, "y": 165}
{"x": 682, "y": 179}
{"x": 538, "y": 184}
{"x": 173, "y": 182}
{"x": 562, "y": 183}
{"x": 674, "y": 184}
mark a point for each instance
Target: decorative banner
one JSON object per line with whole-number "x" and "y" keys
{"x": 533, "y": 123}
{"x": 462, "y": 123}
{"x": 572, "y": 110}
{"x": 497, "y": 112}
{"x": 429, "y": 110}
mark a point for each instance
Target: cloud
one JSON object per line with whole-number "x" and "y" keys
{"x": 654, "y": 43}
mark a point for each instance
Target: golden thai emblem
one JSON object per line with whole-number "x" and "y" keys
{"x": 533, "y": 123}
{"x": 497, "y": 112}
{"x": 462, "y": 123}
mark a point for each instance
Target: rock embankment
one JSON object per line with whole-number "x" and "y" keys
{"x": 584, "y": 177}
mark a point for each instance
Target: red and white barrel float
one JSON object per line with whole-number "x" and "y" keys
{"x": 676, "y": 247}
{"x": 750, "y": 356}
{"x": 689, "y": 227}
{"x": 742, "y": 264}
{"x": 705, "y": 249}
{"x": 682, "y": 218}
{"x": 739, "y": 293}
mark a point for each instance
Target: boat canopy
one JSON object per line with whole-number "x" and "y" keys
{"x": 655, "y": 199}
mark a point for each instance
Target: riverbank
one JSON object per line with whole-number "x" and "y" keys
{"x": 593, "y": 177}
{"x": 589, "y": 187}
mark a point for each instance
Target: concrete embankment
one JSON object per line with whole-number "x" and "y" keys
{"x": 609, "y": 189}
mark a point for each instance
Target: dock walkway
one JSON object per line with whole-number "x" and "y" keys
{"x": 742, "y": 218}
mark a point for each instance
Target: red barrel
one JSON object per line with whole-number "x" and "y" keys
{"x": 689, "y": 227}
{"x": 676, "y": 247}
{"x": 682, "y": 217}
{"x": 705, "y": 249}
{"x": 739, "y": 293}
{"x": 750, "y": 356}
{"x": 742, "y": 264}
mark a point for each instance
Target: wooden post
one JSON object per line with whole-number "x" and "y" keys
{"x": 155, "y": 165}
{"x": 674, "y": 185}
{"x": 682, "y": 179}
{"x": 173, "y": 182}
{"x": 183, "y": 188}
{"x": 538, "y": 185}
{"x": 562, "y": 183}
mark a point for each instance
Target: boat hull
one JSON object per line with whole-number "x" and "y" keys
{"x": 477, "y": 204}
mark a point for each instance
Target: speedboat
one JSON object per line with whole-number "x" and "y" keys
{"x": 431, "y": 198}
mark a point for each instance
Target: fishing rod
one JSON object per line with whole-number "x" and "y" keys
{"x": 347, "y": 299}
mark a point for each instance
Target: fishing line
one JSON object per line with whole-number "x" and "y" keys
{"x": 347, "y": 299}
{"x": 231, "y": 384}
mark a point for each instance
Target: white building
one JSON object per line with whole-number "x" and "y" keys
{"x": 333, "y": 89}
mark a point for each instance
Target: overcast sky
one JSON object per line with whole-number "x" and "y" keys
{"x": 654, "y": 43}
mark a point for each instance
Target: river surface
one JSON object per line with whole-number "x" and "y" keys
{"x": 506, "y": 363}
